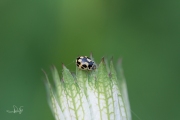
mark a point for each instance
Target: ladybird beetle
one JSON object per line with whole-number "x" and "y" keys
{"x": 85, "y": 63}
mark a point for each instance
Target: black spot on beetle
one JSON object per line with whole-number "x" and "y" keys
{"x": 89, "y": 66}
{"x": 84, "y": 66}
{"x": 78, "y": 63}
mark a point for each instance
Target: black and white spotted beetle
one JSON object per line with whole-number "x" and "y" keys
{"x": 85, "y": 63}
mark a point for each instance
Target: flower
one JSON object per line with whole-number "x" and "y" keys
{"x": 100, "y": 94}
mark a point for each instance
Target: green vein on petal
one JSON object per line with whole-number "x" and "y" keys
{"x": 82, "y": 79}
{"x": 60, "y": 93}
{"x": 77, "y": 101}
{"x": 58, "y": 114}
{"x": 120, "y": 110}
{"x": 104, "y": 88}
{"x": 58, "y": 85}
{"x": 123, "y": 88}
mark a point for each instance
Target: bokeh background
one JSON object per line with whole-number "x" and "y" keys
{"x": 35, "y": 34}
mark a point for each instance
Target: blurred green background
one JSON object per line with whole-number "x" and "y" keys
{"x": 36, "y": 34}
